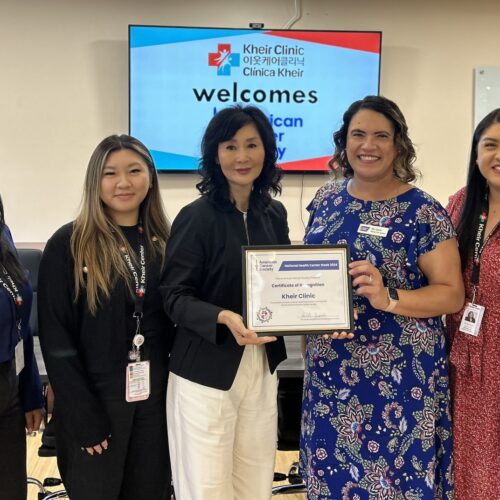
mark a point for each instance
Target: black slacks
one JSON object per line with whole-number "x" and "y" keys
{"x": 136, "y": 464}
{"x": 12, "y": 437}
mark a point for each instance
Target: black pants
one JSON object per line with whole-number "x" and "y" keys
{"x": 12, "y": 437}
{"x": 136, "y": 465}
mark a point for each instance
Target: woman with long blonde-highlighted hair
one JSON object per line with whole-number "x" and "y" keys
{"x": 103, "y": 333}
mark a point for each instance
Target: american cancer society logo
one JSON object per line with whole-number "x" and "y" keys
{"x": 223, "y": 59}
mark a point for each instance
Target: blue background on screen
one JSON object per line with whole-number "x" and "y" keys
{"x": 173, "y": 89}
{"x": 142, "y": 36}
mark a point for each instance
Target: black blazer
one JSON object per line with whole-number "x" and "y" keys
{"x": 77, "y": 344}
{"x": 203, "y": 276}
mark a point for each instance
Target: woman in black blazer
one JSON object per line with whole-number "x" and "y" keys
{"x": 101, "y": 322}
{"x": 221, "y": 401}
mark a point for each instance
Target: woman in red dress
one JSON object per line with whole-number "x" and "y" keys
{"x": 474, "y": 357}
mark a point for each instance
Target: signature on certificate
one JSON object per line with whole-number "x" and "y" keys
{"x": 314, "y": 315}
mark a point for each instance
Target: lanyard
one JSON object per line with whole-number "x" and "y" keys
{"x": 479, "y": 246}
{"x": 8, "y": 283}
{"x": 140, "y": 292}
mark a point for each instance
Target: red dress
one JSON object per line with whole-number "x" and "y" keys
{"x": 474, "y": 365}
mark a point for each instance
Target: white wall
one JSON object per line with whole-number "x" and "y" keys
{"x": 63, "y": 87}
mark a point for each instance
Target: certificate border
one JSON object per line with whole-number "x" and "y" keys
{"x": 285, "y": 248}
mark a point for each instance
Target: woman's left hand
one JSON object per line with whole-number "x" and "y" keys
{"x": 369, "y": 283}
{"x": 33, "y": 420}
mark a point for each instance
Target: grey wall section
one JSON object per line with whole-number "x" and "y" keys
{"x": 63, "y": 87}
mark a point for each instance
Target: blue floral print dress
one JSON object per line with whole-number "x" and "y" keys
{"x": 375, "y": 417}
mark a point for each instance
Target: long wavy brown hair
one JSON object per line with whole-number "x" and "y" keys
{"x": 96, "y": 238}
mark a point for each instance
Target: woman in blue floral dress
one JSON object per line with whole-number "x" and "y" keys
{"x": 376, "y": 420}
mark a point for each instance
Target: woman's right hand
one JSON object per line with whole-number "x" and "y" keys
{"x": 98, "y": 448}
{"x": 241, "y": 333}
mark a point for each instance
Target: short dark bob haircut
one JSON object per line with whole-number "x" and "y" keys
{"x": 222, "y": 127}
{"x": 405, "y": 151}
{"x": 475, "y": 193}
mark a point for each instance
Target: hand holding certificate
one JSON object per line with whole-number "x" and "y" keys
{"x": 241, "y": 333}
{"x": 301, "y": 289}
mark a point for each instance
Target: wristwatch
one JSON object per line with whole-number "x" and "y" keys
{"x": 393, "y": 296}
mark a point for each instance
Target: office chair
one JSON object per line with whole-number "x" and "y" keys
{"x": 43, "y": 492}
{"x": 289, "y": 415}
{"x": 30, "y": 259}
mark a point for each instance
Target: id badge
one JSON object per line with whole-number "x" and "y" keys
{"x": 471, "y": 320}
{"x": 137, "y": 384}
{"x": 19, "y": 351}
{"x": 373, "y": 230}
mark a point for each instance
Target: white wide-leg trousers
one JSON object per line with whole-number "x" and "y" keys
{"x": 223, "y": 443}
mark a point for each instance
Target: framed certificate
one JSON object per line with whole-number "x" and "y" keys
{"x": 297, "y": 289}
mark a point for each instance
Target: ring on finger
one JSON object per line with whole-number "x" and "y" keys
{"x": 370, "y": 278}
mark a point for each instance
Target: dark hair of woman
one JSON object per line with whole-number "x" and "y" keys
{"x": 405, "y": 156}
{"x": 223, "y": 127}
{"x": 8, "y": 257}
{"x": 475, "y": 193}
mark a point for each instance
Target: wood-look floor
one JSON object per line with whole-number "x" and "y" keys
{"x": 41, "y": 468}
{"x": 38, "y": 468}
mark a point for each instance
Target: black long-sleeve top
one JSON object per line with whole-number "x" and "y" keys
{"x": 203, "y": 276}
{"x": 77, "y": 344}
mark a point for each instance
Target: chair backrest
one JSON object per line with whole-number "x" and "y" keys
{"x": 30, "y": 259}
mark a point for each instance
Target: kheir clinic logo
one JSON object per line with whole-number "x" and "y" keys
{"x": 223, "y": 59}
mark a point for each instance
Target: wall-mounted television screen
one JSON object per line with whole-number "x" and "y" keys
{"x": 303, "y": 80}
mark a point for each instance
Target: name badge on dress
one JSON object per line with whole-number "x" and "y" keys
{"x": 373, "y": 230}
{"x": 471, "y": 320}
{"x": 137, "y": 381}
{"x": 19, "y": 352}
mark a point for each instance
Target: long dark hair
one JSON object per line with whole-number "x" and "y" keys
{"x": 8, "y": 256}
{"x": 475, "y": 192}
{"x": 405, "y": 157}
{"x": 223, "y": 127}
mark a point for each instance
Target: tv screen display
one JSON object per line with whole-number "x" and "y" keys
{"x": 303, "y": 80}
